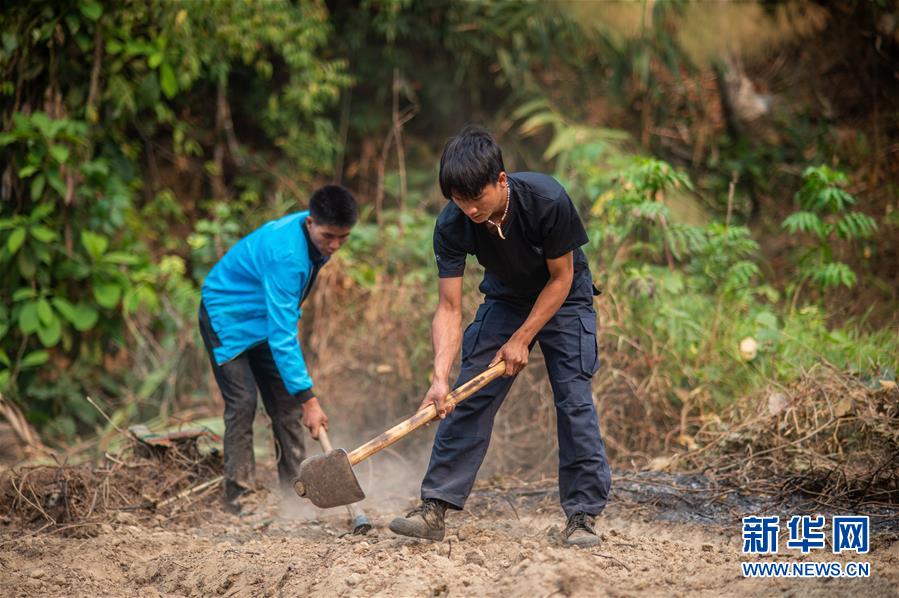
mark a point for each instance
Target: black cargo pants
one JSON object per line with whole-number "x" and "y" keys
{"x": 568, "y": 342}
{"x": 238, "y": 380}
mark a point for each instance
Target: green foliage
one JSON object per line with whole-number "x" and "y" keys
{"x": 826, "y": 219}
{"x": 86, "y": 231}
{"x": 131, "y": 127}
{"x": 686, "y": 296}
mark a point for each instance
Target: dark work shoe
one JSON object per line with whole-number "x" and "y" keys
{"x": 579, "y": 532}
{"x": 424, "y": 521}
{"x": 236, "y": 498}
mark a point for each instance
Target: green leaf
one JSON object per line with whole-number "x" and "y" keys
{"x": 121, "y": 258}
{"x": 35, "y": 358}
{"x": 65, "y": 307}
{"x": 83, "y": 316}
{"x": 94, "y": 244}
{"x": 92, "y": 10}
{"x": 28, "y": 318}
{"x": 27, "y": 171}
{"x": 56, "y": 182}
{"x": 167, "y": 81}
{"x": 60, "y": 153}
{"x": 805, "y": 222}
{"x": 42, "y": 122}
{"x": 44, "y": 311}
{"x": 4, "y": 358}
{"x": 155, "y": 60}
{"x": 4, "y": 378}
{"x": 41, "y": 211}
{"x": 50, "y": 333}
{"x": 43, "y": 234}
{"x": 24, "y": 293}
{"x": 27, "y": 265}
{"x": 16, "y": 238}
{"x": 834, "y": 274}
{"x": 107, "y": 294}
{"x": 37, "y": 186}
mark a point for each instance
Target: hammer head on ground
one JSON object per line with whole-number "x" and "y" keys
{"x": 328, "y": 480}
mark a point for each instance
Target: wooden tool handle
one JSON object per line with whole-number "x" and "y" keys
{"x": 423, "y": 416}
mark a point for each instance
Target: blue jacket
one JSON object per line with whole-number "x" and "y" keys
{"x": 254, "y": 293}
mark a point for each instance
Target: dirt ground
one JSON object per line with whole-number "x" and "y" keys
{"x": 660, "y": 537}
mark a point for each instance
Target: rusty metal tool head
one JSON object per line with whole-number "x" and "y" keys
{"x": 328, "y": 480}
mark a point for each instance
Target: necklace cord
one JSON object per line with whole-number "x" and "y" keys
{"x": 499, "y": 225}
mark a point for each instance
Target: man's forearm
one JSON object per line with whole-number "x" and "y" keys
{"x": 548, "y": 303}
{"x": 446, "y": 337}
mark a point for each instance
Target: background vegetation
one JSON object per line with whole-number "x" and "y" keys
{"x": 736, "y": 166}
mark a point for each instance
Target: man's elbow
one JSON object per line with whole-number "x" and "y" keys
{"x": 563, "y": 278}
{"x": 448, "y": 309}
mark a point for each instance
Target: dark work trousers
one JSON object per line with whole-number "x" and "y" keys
{"x": 568, "y": 342}
{"x": 238, "y": 380}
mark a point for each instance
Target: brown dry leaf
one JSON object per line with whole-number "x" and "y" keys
{"x": 843, "y": 407}
{"x": 660, "y": 463}
{"x": 777, "y": 402}
{"x": 888, "y": 384}
{"x": 688, "y": 441}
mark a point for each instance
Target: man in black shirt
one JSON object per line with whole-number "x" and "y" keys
{"x": 525, "y": 231}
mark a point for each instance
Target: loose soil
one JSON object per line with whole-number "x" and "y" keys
{"x": 663, "y": 534}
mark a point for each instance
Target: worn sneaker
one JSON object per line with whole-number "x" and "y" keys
{"x": 238, "y": 499}
{"x": 424, "y": 521}
{"x": 579, "y": 531}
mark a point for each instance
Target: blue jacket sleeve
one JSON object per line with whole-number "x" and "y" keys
{"x": 283, "y": 286}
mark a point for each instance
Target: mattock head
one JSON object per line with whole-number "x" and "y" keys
{"x": 328, "y": 480}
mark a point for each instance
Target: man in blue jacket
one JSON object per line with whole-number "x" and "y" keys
{"x": 248, "y": 320}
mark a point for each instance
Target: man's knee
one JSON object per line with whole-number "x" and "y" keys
{"x": 240, "y": 412}
{"x": 573, "y": 396}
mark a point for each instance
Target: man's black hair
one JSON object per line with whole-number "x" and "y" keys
{"x": 334, "y": 205}
{"x": 471, "y": 160}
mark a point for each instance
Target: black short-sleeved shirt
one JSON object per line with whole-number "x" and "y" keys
{"x": 542, "y": 224}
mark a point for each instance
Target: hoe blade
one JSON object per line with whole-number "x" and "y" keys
{"x": 328, "y": 480}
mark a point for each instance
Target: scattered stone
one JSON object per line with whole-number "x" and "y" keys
{"x": 125, "y": 517}
{"x": 707, "y": 547}
{"x": 475, "y": 557}
{"x": 360, "y": 547}
{"x": 353, "y": 579}
{"x": 37, "y": 573}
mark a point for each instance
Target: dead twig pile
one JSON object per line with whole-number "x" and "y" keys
{"x": 830, "y": 436}
{"x": 145, "y": 479}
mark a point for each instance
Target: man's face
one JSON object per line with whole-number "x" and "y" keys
{"x": 327, "y": 238}
{"x": 489, "y": 204}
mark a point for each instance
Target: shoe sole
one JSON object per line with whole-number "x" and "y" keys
{"x": 412, "y": 529}
{"x": 582, "y": 543}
